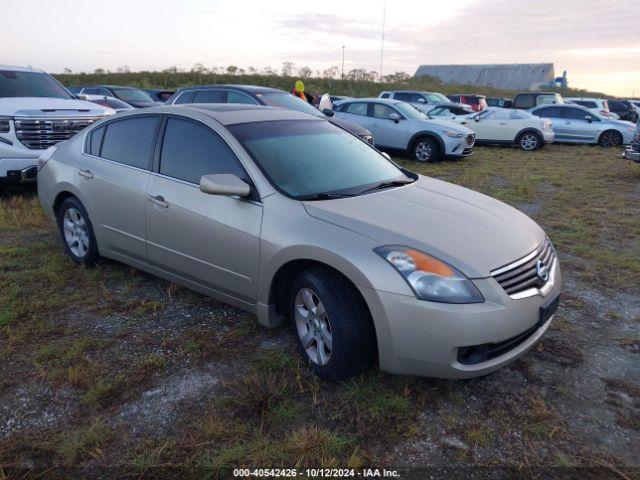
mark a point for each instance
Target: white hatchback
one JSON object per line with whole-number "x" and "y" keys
{"x": 509, "y": 126}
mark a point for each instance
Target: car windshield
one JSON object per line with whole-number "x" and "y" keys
{"x": 409, "y": 111}
{"x": 436, "y": 97}
{"x": 304, "y": 159}
{"x": 30, "y": 84}
{"x": 287, "y": 100}
{"x": 132, "y": 95}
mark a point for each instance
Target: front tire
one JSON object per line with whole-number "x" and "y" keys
{"x": 529, "y": 141}
{"x": 332, "y": 323}
{"x": 610, "y": 138}
{"x": 425, "y": 149}
{"x": 76, "y": 232}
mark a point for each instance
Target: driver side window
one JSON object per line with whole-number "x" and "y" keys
{"x": 383, "y": 111}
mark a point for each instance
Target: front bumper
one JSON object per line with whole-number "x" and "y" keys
{"x": 631, "y": 154}
{"x": 19, "y": 170}
{"x": 422, "y": 338}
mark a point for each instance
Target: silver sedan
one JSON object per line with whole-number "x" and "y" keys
{"x": 291, "y": 218}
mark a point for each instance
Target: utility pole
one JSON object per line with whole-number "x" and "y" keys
{"x": 342, "y": 62}
{"x": 384, "y": 17}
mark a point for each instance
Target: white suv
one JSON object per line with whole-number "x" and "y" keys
{"x": 599, "y": 106}
{"x": 36, "y": 112}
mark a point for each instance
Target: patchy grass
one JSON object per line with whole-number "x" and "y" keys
{"x": 81, "y": 347}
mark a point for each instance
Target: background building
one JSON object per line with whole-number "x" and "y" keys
{"x": 519, "y": 76}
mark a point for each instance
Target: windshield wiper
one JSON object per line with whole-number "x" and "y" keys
{"x": 387, "y": 184}
{"x": 327, "y": 196}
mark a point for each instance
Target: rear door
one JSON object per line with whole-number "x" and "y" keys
{"x": 356, "y": 112}
{"x": 113, "y": 180}
{"x": 559, "y": 124}
{"x": 208, "y": 239}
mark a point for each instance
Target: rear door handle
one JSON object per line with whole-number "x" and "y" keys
{"x": 158, "y": 201}
{"x": 88, "y": 174}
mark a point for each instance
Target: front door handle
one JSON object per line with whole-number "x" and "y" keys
{"x": 158, "y": 201}
{"x": 502, "y": 123}
{"x": 88, "y": 174}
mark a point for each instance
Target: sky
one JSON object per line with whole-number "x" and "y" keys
{"x": 596, "y": 41}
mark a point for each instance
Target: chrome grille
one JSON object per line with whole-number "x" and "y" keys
{"x": 41, "y": 133}
{"x": 525, "y": 274}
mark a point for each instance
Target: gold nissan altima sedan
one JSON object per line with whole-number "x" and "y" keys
{"x": 291, "y": 218}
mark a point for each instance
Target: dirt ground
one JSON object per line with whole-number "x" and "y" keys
{"x": 111, "y": 373}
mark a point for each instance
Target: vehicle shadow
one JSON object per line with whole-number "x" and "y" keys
{"x": 25, "y": 190}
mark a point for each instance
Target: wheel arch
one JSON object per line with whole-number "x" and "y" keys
{"x": 528, "y": 130}
{"x": 427, "y": 133}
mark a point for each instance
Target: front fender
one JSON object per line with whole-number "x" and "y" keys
{"x": 428, "y": 133}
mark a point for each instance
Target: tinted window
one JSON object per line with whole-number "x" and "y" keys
{"x": 385, "y": 95}
{"x": 104, "y": 91}
{"x": 616, "y": 106}
{"x": 130, "y": 141}
{"x": 185, "y": 97}
{"x": 191, "y": 150}
{"x": 524, "y": 101}
{"x": 586, "y": 103}
{"x": 403, "y": 96}
{"x": 95, "y": 141}
{"x": 132, "y": 95}
{"x": 356, "y": 108}
{"x": 549, "y": 112}
{"x": 382, "y": 111}
{"x": 237, "y": 97}
{"x": 575, "y": 113}
{"x": 210, "y": 96}
{"x": 90, "y": 91}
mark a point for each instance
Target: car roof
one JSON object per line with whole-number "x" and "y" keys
{"x": 389, "y": 101}
{"x": 563, "y": 105}
{"x": 11, "y": 68}
{"x": 451, "y": 104}
{"x": 230, "y": 113}
{"x": 110, "y": 86}
{"x": 244, "y": 88}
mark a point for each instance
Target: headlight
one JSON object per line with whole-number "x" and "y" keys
{"x": 5, "y": 124}
{"x": 453, "y": 134}
{"x": 429, "y": 278}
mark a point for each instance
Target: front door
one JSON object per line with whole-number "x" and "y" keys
{"x": 207, "y": 239}
{"x": 386, "y": 131}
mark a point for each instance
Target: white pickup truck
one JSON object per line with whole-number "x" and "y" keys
{"x": 36, "y": 112}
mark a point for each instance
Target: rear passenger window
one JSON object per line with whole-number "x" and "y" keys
{"x": 130, "y": 141}
{"x": 385, "y": 95}
{"x": 237, "y": 97}
{"x": 95, "y": 141}
{"x": 525, "y": 101}
{"x": 191, "y": 150}
{"x": 210, "y": 96}
{"x": 356, "y": 108}
{"x": 185, "y": 97}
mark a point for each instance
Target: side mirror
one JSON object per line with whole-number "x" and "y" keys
{"x": 422, "y": 100}
{"x": 328, "y": 112}
{"x": 395, "y": 117}
{"x": 224, "y": 184}
{"x": 386, "y": 155}
{"x": 588, "y": 118}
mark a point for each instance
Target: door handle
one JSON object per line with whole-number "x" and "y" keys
{"x": 88, "y": 174}
{"x": 502, "y": 123}
{"x": 158, "y": 201}
{"x": 567, "y": 123}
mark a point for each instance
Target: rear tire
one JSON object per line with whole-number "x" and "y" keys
{"x": 332, "y": 323}
{"x": 425, "y": 149}
{"x": 76, "y": 232}
{"x": 610, "y": 138}
{"x": 529, "y": 141}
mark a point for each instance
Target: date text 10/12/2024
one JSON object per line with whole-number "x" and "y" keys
{"x": 315, "y": 473}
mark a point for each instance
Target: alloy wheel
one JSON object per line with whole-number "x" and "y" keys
{"x": 529, "y": 142}
{"x": 76, "y": 233}
{"x": 610, "y": 139}
{"x": 313, "y": 326}
{"x": 424, "y": 150}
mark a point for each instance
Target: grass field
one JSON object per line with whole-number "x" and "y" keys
{"x": 113, "y": 373}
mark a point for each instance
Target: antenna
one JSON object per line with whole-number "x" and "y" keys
{"x": 384, "y": 17}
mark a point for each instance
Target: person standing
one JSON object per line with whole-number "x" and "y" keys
{"x": 298, "y": 91}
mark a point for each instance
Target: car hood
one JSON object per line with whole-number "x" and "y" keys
{"x": 471, "y": 231}
{"x": 349, "y": 126}
{"x": 450, "y": 125}
{"x": 45, "y": 106}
